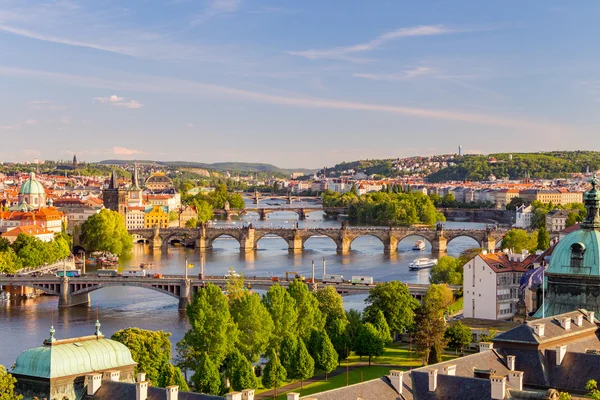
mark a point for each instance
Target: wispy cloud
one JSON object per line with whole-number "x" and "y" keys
{"x": 401, "y": 76}
{"x": 216, "y": 8}
{"x": 344, "y": 53}
{"x": 191, "y": 125}
{"x": 153, "y": 84}
{"x": 31, "y": 122}
{"x": 45, "y": 105}
{"x": 10, "y": 127}
{"x": 117, "y": 101}
{"x": 125, "y": 151}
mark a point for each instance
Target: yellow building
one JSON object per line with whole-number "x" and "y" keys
{"x": 156, "y": 215}
{"x": 158, "y": 181}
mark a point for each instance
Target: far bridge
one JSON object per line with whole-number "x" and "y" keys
{"x": 263, "y": 212}
{"x": 76, "y": 291}
{"x": 257, "y": 197}
{"x": 203, "y": 237}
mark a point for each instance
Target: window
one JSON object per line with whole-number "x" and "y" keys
{"x": 577, "y": 252}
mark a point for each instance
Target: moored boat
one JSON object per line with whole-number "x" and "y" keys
{"x": 422, "y": 263}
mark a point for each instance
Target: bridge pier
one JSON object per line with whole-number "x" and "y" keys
{"x": 301, "y": 214}
{"x": 343, "y": 246}
{"x": 262, "y": 214}
{"x": 185, "y": 296}
{"x": 201, "y": 244}
{"x": 247, "y": 241}
{"x": 295, "y": 244}
{"x": 67, "y": 299}
{"x": 489, "y": 244}
{"x": 439, "y": 245}
{"x": 390, "y": 245}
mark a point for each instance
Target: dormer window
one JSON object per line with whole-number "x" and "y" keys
{"x": 577, "y": 252}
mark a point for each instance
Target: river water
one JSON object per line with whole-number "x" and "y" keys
{"x": 25, "y": 323}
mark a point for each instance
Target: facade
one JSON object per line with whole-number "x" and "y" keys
{"x": 491, "y": 284}
{"x": 556, "y": 220}
{"x": 158, "y": 181}
{"x": 135, "y": 218}
{"x": 524, "y": 215}
{"x": 36, "y": 231}
{"x": 134, "y": 193}
{"x": 185, "y": 214}
{"x": 156, "y": 215}
{"x": 573, "y": 274}
{"x": 555, "y": 196}
{"x": 48, "y": 218}
{"x": 32, "y": 194}
{"x": 171, "y": 201}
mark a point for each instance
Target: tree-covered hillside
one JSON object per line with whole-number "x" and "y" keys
{"x": 546, "y": 165}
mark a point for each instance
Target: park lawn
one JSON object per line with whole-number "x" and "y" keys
{"x": 366, "y": 373}
{"x": 457, "y": 306}
{"x": 396, "y": 354}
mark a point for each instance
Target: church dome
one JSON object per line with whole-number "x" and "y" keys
{"x": 32, "y": 186}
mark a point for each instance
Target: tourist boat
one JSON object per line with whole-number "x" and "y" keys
{"x": 422, "y": 263}
{"x": 146, "y": 265}
{"x": 4, "y": 295}
{"x": 419, "y": 245}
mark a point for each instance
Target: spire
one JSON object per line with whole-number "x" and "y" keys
{"x": 135, "y": 180}
{"x": 591, "y": 199}
{"x": 98, "y": 333}
{"x": 52, "y": 331}
{"x": 114, "y": 182}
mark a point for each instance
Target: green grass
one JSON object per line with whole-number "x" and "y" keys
{"x": 457, "y": 306}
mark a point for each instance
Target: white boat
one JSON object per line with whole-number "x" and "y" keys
{"x": 419, "y": 245}
{"x": 4, "y": 295}
{"x": 422, "y": 263}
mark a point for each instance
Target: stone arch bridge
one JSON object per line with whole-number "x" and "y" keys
{"x": 248, "y": 237}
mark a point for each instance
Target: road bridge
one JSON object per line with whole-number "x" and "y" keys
{"x": 76, "y": 291}
{"x": 257, "y": 197}
{"x": 248, "y": 237}
{"x": 264, "y": 211}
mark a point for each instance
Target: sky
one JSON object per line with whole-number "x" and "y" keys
{"x": 295, "y": 83}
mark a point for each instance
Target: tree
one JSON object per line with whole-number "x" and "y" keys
{"x": 204, "y": 210}
{"x": 322, "y": 351}
{"x": 592, "y": 387}
{"x": 254, "y": 324}
{"x": 4, "y": 244}
{"x": 489, "y": 336}
{"x": 438, "y": 298}
{"x": 571, "y": 219}
{"x": 459, "y": 336}
{"x": 191, "y": 223}
{"x": 515, "y": 203}
{"x": 447, "y": 270}
{"x": 543, "y": 238}
{"x": 206, "y": 378}
{"x": 274, "y": 374}
{"x": 430, "y": 329}
{"x": 309, "y": 314}
{"x": 303, "y": 365}
{"x": 106, "y": 231}
{"x": 7, "y": 386}
{"x": 564, "y": 396}
{"x": 212, "y": 330}
{"x": 152, "y": 351}
{"x": 9, "y": 262}
{"x": 354, "y": 324}
{"x": 379, "y": 322}
{"x": 395, "y": 301}
{"x": 338, "y": 334}
{"x": 369, "y": 342}
{"x": 331, "y": 305}
{"x": 288, "y": 350}
{"x": 240, "y": 372}
{"x": 282, "y": 308}
{"x": 173, "y": 215}
{"x": 170, "y": 375}
{"x": 518, "y": 240}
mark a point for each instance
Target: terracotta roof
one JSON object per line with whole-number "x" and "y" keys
{"x": 500, "y": 262}
{"x": 33, "y": 230}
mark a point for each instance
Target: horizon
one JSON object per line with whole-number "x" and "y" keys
{"x": 295, "y": 85}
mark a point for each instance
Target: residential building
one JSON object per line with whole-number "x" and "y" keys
{"x": 524, "y": 216}
{"x": 491, "y": 284}
{"x": 36, "y": 231}
{"x": 156, "y": 215}
{"x": 135, "y": 217}
{"x": 556, "y": 220}
{"x": 172, "y": 201}
{"x": 185, "y": 214}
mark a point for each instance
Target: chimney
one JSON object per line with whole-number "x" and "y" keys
{"x": 591, "y": 316}
{"x": 510, "y": 362}
{"x": 498, "y": 387}
{"x": 293, "y": 396}
{"x": 141, "y": 377}
{"x": 172, "y": 392}
{"x": 515, "y": 379}
{"x": 579, "y": 320}
{"x": 566, "y": 323}
{"x": 539, "y": 329}
{"x": 485, "y": 346}
{"x": 560, "y": 353}
{"x": 433, "y": 380}
{"x": 396, "y": 380}
{"x": 141, "y": 390}
{"x": 248, "y": 394}
{"x": 114, "y": 376}
{"x": 449, "y": 369}
{"x": 234, "y": 396}
{"x": 94, "y": 381}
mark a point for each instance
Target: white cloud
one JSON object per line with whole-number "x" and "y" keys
{"x": 45, "y": 105}
{"x": 125, "y": 151}
{"x": 191, "y": 125}
{"x": 117, "y": 101}
{"x": 216, "y": 8}
{"x": 32, "y": 122}
{"x": 10, "y": 127}
{"x": 402, "y": 76}
{"x": 342, "y": 53}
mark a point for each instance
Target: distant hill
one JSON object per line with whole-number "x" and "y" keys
{"x": 219, "y": 167}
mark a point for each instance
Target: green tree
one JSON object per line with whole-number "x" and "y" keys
{"x": 354, "y": 324}
{"x": 171, "y": 375}
{"x": 488, "y": 338}
{"x": 395, "y": 301}
{"x": 338, "y": 334}
{"x": 518, "y": 240}
{"x": 282, "y": 308}
{"x": 191, "y": 223}
{"x": 206, "y": 378}
{"x": 274, "y": 374}
{"x": 571, "y": 220}
{"x": 7, "y": 386}
{"x": 288, "y": 350}
{"x": 369, "y": 341}
{"x": 4, "y": 244}
{"x": 9, "y": 262}
{"x": 438, "y": 297}
{"x": 430, "y": 329}
{"x": 592, "y": 387}
{"x": 152, "y": 351}
{"x": 254, "y": 324}
{"x": 106, "y": 231}
{"x": 322, "y": 351}
{"x": 236, "y": 201}
{"x": 309, "y": 314}
{"x": 240, "y": 372}
{"x": 447, "y": 270}
{"x": 459, "y": 336}
{"x": 204, "y": 210}
{"x": 379, "y": 322}
{"x": 173, "y": 216}
{"x": 515, "y": 203}
{"x": 303, "y": 365}
{"x": 564, "y": 396}
{"x": 543, "y": 238}
{"x": 212, "y": 330}
{"x": 331, "y": 305}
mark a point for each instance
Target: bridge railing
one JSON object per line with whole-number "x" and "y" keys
{"x": 48, "y": 267}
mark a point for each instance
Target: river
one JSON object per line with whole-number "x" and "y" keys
{"x": 25, "y": 323}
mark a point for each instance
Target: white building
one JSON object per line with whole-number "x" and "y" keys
{"x": 524, "y": 217}
{"x": 134, "y": 217}
{"x": 491, "y": 284}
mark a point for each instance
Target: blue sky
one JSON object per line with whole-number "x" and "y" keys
{"x": 296, "y": 83}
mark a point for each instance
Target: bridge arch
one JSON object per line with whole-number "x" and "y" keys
{"x": 467, "y": 235}
{"x": 210, "y": 240}
{"x": 45, "y": 288}
{"x": 272, "y": 238}
{"x": 414, "y": 236}
{"x": 175, "y": 293}
{"x": 367, "y": 235}
{"x": 333, "y": 236}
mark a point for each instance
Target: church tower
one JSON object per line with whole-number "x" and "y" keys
{"x": 114, "y": 197}
{"x": 134, "y": 194}
{"x": 74, "y": 161}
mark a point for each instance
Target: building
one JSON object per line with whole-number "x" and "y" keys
{"x": 491, "y": 284}
{"x": 560, "y": 196}
{"x": 48, "y": 218}
{"x": 156, "y": 215}
{"x": 186, "y": 214}
{"x": 115, "y": 197}
{"x": 158, "y": 181}
{"x": 556, "y": 220}
{"x": 524, "y": 216}
{"x": 32, "y": 195}
{"x": 573, "y": 273}
{"x": 135, "y": 218}
{"x": 134, "y": 192}
{"x": 36, "y": 231}
{"x": 171, "y": 200}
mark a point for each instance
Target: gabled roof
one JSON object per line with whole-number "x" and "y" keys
{"x": 33, "y": 230}
{"x": 126, "y": 391}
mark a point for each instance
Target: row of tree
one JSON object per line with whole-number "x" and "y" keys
{"x": 205, "y": 203}
{"x": 29, "y": 251}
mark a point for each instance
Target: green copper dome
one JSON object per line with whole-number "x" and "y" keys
{"x": 32, "y": 186}
{"x": 73, "y": 357}
{"x": 577, "y": 254}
